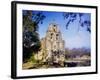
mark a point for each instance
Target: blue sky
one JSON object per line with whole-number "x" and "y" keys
{"x": 73, "y": 37}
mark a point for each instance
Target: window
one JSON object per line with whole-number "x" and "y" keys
{"x": 54, "y": 25}
{"x": 51, "y": 35}
{"x": 57, "y": 35}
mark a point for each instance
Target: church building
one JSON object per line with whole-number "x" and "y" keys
{"x": 52, "y": 45}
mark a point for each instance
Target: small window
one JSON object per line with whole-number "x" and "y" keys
{"x": 54, "y": 25}
{"x": 51, "y": 35}
{"x": 57, "y": 36}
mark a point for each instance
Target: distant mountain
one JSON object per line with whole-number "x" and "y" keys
{"x": 77, "y": 52}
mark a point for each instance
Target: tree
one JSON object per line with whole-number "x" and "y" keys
{"x": 31, "y": 41}
{"x": 71, "y": 17}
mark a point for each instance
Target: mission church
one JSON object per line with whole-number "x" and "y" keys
{"x": 52, "y": 45}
